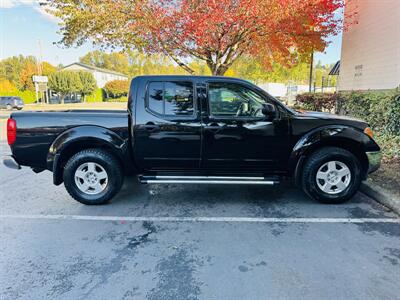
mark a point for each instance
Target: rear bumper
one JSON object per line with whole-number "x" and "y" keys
{"x": 10, "y": 162}
{"x": 374, "y": 160}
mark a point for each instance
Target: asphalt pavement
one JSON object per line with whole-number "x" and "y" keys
{"x": 192, "y": 242}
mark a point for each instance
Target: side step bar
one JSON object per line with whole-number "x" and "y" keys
{"x": 208, "y": 180}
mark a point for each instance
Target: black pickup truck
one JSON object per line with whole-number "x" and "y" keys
{"x": 198, "y": 130}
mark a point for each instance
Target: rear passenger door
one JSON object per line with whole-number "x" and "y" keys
{"x": 168, "y": 131}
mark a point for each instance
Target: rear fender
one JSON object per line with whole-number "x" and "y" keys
{"x": 79, "y": 137}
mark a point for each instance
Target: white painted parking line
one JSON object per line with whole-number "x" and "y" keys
{"x": 203, "y": 219}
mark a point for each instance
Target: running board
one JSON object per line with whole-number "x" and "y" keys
{"x": 208, "y": 180}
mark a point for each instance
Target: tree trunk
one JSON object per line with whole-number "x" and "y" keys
{"x": 220, "y": 71}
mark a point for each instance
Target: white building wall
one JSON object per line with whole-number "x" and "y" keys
{"x": 274, "y": 89}
{"x": 371, "y": 49}
{"x": 101, "y": 77}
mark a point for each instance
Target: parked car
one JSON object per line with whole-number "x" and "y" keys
{"x": 197, "y": 130}
{"x": 11, "y": 102}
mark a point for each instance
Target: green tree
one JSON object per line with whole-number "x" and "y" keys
{"x": 20, "y": 69}
{"x": 88, "y": 83}
{"x": 48, "y": 69}
{"x": 65, "y": 82}
{"x": 115, "y": 61}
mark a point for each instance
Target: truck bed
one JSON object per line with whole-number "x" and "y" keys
{"x": 36, "y": 131}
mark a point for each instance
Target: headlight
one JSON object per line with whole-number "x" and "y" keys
{"x": 368, "y": 131}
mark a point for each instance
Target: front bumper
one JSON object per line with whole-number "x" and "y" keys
{"x": 10, "y": 162}
{"x": 374, "y": 160}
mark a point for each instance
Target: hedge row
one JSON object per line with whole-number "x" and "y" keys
{"x": 381, "y": 109}
{"x": 26, "y": 96}
{"x": 100, "y": 95}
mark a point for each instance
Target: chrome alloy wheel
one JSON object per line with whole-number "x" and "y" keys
{"x": 333, "y": 177}
{"x": 91, "y": 178}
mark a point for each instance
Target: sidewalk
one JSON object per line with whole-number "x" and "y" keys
{"x": 384, "y": 185}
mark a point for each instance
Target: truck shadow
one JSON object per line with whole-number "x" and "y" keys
{"x": 199, "y": 194}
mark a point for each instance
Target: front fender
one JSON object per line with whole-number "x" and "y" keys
{"x": 342, "y": 136}
{"x": 84, "y": 134}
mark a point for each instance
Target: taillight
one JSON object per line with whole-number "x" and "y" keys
{"x": 11, "y": 131}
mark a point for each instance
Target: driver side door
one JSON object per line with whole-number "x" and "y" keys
{"x": 238, "y": 138}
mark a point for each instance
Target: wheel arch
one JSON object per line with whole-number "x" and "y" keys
{"x": 344, "y": 137}
{"x": 80, "y": 138}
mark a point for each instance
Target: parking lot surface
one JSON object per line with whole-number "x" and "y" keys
{"x": 192, "y": 242}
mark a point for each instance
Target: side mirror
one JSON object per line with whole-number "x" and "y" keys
{"x": 269, "y": 111}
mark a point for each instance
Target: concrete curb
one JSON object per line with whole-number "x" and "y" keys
{"x": 381, "y": 195}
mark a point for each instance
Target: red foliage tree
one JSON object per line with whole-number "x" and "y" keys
{"x": 215, "y": 31}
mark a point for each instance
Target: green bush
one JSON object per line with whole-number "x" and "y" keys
{"x": 120, "y": 99}
{"x": 393, "y": 125}
{"x": 316, "y": 101}
{"x": 380, "y": 109}
{"x": 371, "y": 106}
{"x": 390, "y": 144}
{"x": 27, "y": 96}
{"x": 96, "y": 96}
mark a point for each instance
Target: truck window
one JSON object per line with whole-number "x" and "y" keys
{"x": 155, "y": 102}
{"x": 171, "y": 98}
{"x": 234, "y": 100}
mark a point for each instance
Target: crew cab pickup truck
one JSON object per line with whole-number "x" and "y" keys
{"x": 194, "y": 130}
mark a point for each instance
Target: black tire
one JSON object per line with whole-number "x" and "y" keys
{"x": 316, "y": 160}
{"x": 108, "y": 162}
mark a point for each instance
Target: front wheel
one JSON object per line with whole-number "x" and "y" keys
{"x": 331, "y": 175}
{"x": 93, "y": 176}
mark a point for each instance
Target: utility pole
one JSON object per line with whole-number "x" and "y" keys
{"x": 311, "y": 70}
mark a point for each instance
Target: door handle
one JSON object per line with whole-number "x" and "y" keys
{"x": 214, "y": 126}
{"x": 150, "y": 126}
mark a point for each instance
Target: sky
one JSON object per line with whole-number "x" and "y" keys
{"x": 24, "y": 25}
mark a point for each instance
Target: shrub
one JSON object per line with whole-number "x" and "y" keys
{"x": 371, "y": 106}
{"x": 96, "y": 96}
{"x": 393, "y": 125}
{"x": 120, "y": 99}
{"x": 390, "y": 145}
{"x": 380, "y": 109}
{"x": 317, "y": 101}
{"x": 26, "y": 96}
{"x": 117, "y": 88}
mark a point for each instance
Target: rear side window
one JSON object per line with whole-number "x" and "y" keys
{"x": 171, "y": 98}
{"x": 156, "y": 97}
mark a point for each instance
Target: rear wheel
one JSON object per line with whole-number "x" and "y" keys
{"x": 93, "y": 176}
{"x": 9, "y": 107}
{"x": 331, "y": 175}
